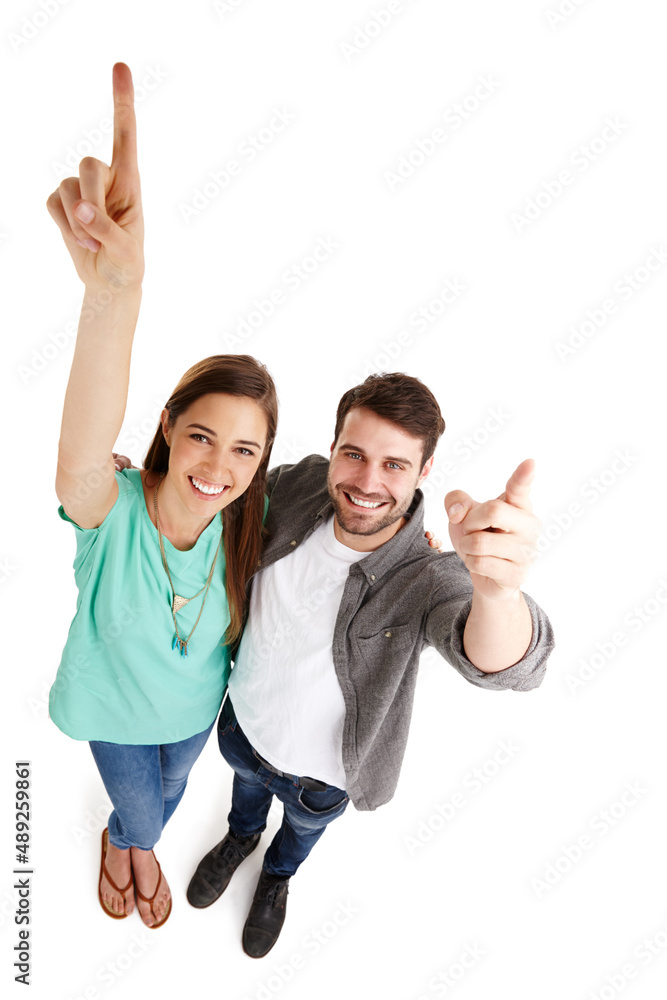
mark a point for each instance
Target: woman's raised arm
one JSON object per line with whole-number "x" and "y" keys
{"x": 100, "y": 217}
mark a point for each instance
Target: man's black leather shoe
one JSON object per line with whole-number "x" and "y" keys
{"x": 216, "y": 868}
{"x": 266, "y": 916}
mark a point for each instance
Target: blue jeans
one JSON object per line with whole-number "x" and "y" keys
{"x": 145, "y": 784}
{"x": 306, "y": 813}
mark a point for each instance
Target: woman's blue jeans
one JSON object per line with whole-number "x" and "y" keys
{"x": 145, "y": 784}
{"x": 306, "y": 813}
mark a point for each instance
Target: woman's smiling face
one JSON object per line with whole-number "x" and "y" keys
{"x": 215, "y": 449}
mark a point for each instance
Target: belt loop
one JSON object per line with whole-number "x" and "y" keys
{"x": 311, "y": 784}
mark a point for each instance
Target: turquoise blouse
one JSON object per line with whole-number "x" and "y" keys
{"x": 119, "y": 679}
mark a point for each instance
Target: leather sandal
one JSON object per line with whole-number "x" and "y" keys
{"x": 151, "y": 899}
{"x": 105, "y": 873}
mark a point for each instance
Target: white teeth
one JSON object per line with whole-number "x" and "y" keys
{"x": 364, "y": 503}
{"x": 209, "y": 490}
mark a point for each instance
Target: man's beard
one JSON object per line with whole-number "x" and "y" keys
{"x": 362, "y": 524}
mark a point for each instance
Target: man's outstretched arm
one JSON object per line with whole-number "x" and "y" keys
{"x": 497, "y": 542}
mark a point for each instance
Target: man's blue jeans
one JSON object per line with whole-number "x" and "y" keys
{"x": 145, "y": 784}
{"x": 306, "y": 813}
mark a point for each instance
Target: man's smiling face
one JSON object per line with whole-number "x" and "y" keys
{"x": 374, "y": 470}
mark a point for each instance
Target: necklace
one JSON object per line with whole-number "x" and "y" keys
{"x": 179, "y": 642}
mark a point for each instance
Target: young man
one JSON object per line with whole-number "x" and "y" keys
{"x": 347, "y": 596}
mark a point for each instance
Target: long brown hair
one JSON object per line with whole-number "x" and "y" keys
{"x": 236, "y": 375}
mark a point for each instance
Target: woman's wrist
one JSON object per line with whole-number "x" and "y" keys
{"x": 101, "y": 303}
{"x": 120, "y": 291}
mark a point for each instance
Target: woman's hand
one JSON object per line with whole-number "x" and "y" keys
{"x": 99, "y": 213}
{"x": 111, "y": 267}
{"x": 434, "y": 543}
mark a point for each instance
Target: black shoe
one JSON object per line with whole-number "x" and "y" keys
{"x": 267, "y": 915}
{"x": 216, "y": 868}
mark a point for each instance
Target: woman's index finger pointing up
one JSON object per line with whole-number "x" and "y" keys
{"x": 124, "y": 156}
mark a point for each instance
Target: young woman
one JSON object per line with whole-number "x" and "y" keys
{"x": 163, "y": 554}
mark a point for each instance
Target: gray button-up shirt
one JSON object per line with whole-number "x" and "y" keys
{"x": 397, "y": 600}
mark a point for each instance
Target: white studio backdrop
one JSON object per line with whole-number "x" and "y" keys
{"x": 472, "y": 193}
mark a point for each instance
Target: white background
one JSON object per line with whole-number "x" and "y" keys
{"x": 394, "y": 915}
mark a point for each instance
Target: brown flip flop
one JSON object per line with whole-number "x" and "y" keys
{"x": 151, "y": 899}
{"x": 105, "y": 873}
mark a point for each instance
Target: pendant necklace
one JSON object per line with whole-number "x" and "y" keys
{"x": 179, "y": 642}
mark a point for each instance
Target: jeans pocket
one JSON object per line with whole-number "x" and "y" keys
{"x": 319, "y": 803}
{"x": 227, "y": 722}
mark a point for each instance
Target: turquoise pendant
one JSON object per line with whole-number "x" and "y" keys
{"x": 181, "y": 644}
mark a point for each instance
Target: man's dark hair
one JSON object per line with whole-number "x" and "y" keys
{"x": 403, "y": 400}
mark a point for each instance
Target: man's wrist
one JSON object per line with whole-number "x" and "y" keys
{"x": 506, "y": 595}
{"x": 497, "y": 633}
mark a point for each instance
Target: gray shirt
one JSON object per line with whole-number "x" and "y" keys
{"x": 397, "y": 600}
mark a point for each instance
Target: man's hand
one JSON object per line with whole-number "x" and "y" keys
{"x": 122, "y": 462}
{"x": 107, "y": 248}
{"x": 496, "y": 540}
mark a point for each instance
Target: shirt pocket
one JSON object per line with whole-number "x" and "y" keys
{"x": 383, "y": 674}
{"x": 387, "y": 643}
{"x": 383, "y": 658}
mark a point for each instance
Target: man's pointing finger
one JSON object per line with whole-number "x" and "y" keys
{"x": 517, "y": 491}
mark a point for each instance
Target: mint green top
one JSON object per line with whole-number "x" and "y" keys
{"x": 119, "y": 679}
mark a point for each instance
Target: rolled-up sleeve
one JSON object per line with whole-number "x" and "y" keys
{"x": 445, "y": 625}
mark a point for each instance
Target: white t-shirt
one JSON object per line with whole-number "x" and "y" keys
{"x": 284, "y": 686}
